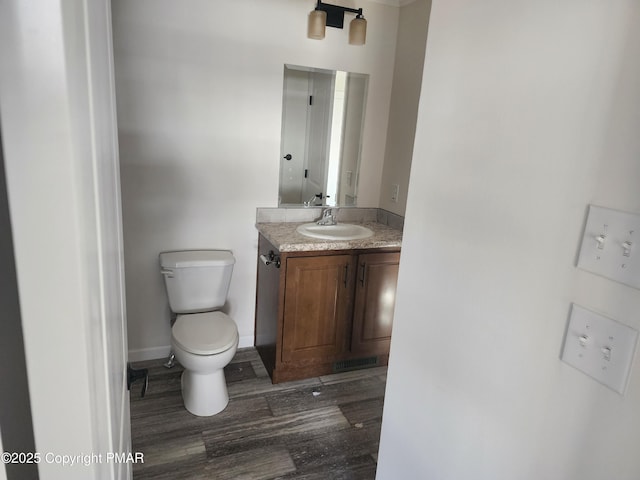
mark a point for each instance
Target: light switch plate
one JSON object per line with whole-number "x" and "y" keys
{"x": 611, "y": 245}
{"x": 395, "y": 191}
{"x": 600, "y": 347}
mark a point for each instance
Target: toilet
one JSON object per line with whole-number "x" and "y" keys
{"x": 204, "y": 339}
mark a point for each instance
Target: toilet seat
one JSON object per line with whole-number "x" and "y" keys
{"x": 205, "y": 333}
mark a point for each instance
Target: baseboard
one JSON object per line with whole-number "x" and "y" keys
{"x": 153, "y": 353}
{"x": 142, "y": 354}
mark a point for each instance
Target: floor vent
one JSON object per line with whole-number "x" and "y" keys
{"x": 354, "y": 364}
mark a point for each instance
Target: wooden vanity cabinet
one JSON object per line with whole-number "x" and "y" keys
{"x": 323, "y": 308}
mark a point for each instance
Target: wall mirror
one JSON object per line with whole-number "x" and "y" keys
{"x": 322, "y": 121}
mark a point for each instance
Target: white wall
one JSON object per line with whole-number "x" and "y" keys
{"x": 199, "y": 90}
{"x": 529, "y": 112}
{"x": 405, "y": 96}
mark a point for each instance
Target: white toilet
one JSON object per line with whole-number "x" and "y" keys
{"x": 203, "y": 339}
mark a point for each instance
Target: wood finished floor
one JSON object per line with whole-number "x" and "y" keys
{"x": 322, "y": 428}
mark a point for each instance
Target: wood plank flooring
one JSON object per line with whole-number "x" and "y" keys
{"x": 322, "y": 428}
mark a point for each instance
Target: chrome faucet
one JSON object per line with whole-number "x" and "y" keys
{"x": 328, "y": 217}
{"x": 311, "y": 202}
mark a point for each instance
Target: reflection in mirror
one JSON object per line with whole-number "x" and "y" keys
{"x": 322, "y": 121}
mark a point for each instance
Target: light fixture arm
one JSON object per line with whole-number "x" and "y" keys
{"x": 335, "y": 13}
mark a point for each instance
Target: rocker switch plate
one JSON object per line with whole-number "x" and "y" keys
{"x": 600, "y": 347}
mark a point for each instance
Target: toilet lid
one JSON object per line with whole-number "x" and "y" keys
{"x": 205, "y": 333}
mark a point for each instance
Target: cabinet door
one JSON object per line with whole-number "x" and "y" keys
{"x": 316, "y": 306}
{"x": 375, "y": 299}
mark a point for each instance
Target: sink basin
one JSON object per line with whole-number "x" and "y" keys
{"x": 341, "y": 231}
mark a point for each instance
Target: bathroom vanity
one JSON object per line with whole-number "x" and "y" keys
{"x": 324, "y": 306}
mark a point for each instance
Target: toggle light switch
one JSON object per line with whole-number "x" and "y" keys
{"x": 600, "y": 347}
{"x": 610, "y": 255}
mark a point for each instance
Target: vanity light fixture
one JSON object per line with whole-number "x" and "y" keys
{"x": 333, "y": 16}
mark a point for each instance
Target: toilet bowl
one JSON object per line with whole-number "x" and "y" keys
{"x": 203, "y": 339}
{"x": 204, "y": 343}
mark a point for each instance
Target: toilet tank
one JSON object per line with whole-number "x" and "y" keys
{"x": 197, "y": 280}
